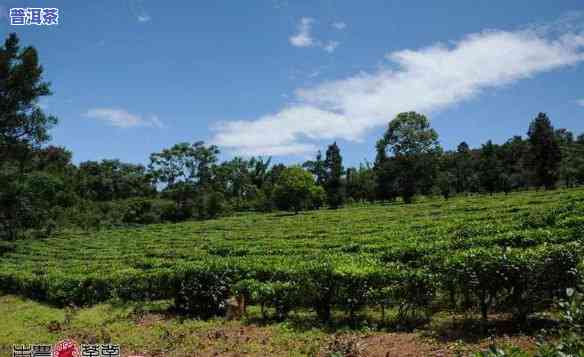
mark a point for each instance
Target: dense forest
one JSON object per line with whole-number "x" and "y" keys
{"x": 42, "y": 190}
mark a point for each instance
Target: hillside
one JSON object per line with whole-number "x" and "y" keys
{"x": 389, "y": 264}
{"x": 362, "y": 240}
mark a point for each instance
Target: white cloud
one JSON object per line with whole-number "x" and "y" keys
{"x": 144, "y": 18}
{"x": 580, "y": 102}
{"x": 120, "y": 118}
{"x": 303, "y": 38}
{"x": 425, "y": 80}
{"x": 331, "y": 46}
{"x": 314, "y": 74}
{"x": 339, "y": 25}
{"x": 139, "y": 10}
{"x": 156, "y": 122}
{"x": 283, "y": 129}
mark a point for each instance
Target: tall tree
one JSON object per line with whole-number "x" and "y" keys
{"x": 185, "y": 170}
{"x": 545, "y": 151}
{"x": 317, "y": 168}
{"x": 415, "y": 147}
{"x": 22, "y": 121}
{"x": 490, "y": 168}
{"x": 185, "y": 163}
{"x": 463, "y": 163}
{"x": 360, "y": 183}
{"x": 23, "y": 127}
{"x": 577, "y": 154}
{"x": 446, "y": 178}
{"x": 512, "y": 155}
{"x": 385, "y": 177}
{"x": 259, "y": 170}
{"x": 570, "y": 157}
{"x": 333, "y": 183}
{"x": 111, "y": 180}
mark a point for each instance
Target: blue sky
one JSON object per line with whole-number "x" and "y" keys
{"x": 285, "y": 78}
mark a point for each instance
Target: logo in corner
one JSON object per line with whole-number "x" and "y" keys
{"x": 66, "y": 348}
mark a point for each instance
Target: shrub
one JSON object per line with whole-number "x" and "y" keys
{"x": 569, "y": 339}
{"x": 516, "y": 280}
{"x": 140, "y": 210}
{"x": 354, "y": 293}
{"x": 6, "y": 247}
{"x": 203, "y": 292}
{"x": 320, "y": 287}
{"x": 283, "y": 297}
{"x": 539, "y": 219}
{"x": 172, "y": 212}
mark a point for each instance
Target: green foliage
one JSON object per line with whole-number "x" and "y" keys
{"x": 571, "y": 331}
{"x": 142, "y": 211}
{"x": 361, "y": 184}
{"x": 545, "y": 151}
{"x": 23, "y": 128}
{"x": 317, "y": 168}
{"x": 202, "y": 292}
{"x": 30, "y": 203}
{"x": 184, "y": 163}
{"x": 317, "y": 196}
{"x": 517, "y": 280}
{"x": 22, "y": 121}
{"x": 210, "y": 205}
{"x": 294, "y": 189}
{"x": 568, "y": 340}
{"x": 415, "y": 147}
{"x": 456, "y": 256}
{"x": 489, "y": 167}
{"x": 334, "y": 186}
{"x": 112, "y": 180}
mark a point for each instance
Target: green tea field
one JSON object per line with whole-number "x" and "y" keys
{"x": 385, "y": 266}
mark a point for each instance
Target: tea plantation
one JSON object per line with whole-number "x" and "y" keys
{"x": 511, "y": 253}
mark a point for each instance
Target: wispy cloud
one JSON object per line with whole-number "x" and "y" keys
{"x": 121, "y": 118}
{"x": 280, "y": 4}
{"x": 139, "y": 10}
{"x": 580, "y": 102}
{"x": 156, "y": 122}
{"x": 314, "y": 74}
{"x": 144, "y": 18}
{"x": 303, "y": 38}
{"x": 425, "y": 80}
{"x": 331, "y": 46}
{"x": 339, "y": 25}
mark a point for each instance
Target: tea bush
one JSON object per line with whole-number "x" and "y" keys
{"x": 410, "y": 258}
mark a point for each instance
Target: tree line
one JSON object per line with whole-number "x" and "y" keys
{"x": 42, "y": 190}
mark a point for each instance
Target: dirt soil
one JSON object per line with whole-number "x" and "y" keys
{"x": 253, "y": 340}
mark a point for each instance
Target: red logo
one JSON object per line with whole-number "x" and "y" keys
{"x": 66, "y": 348}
